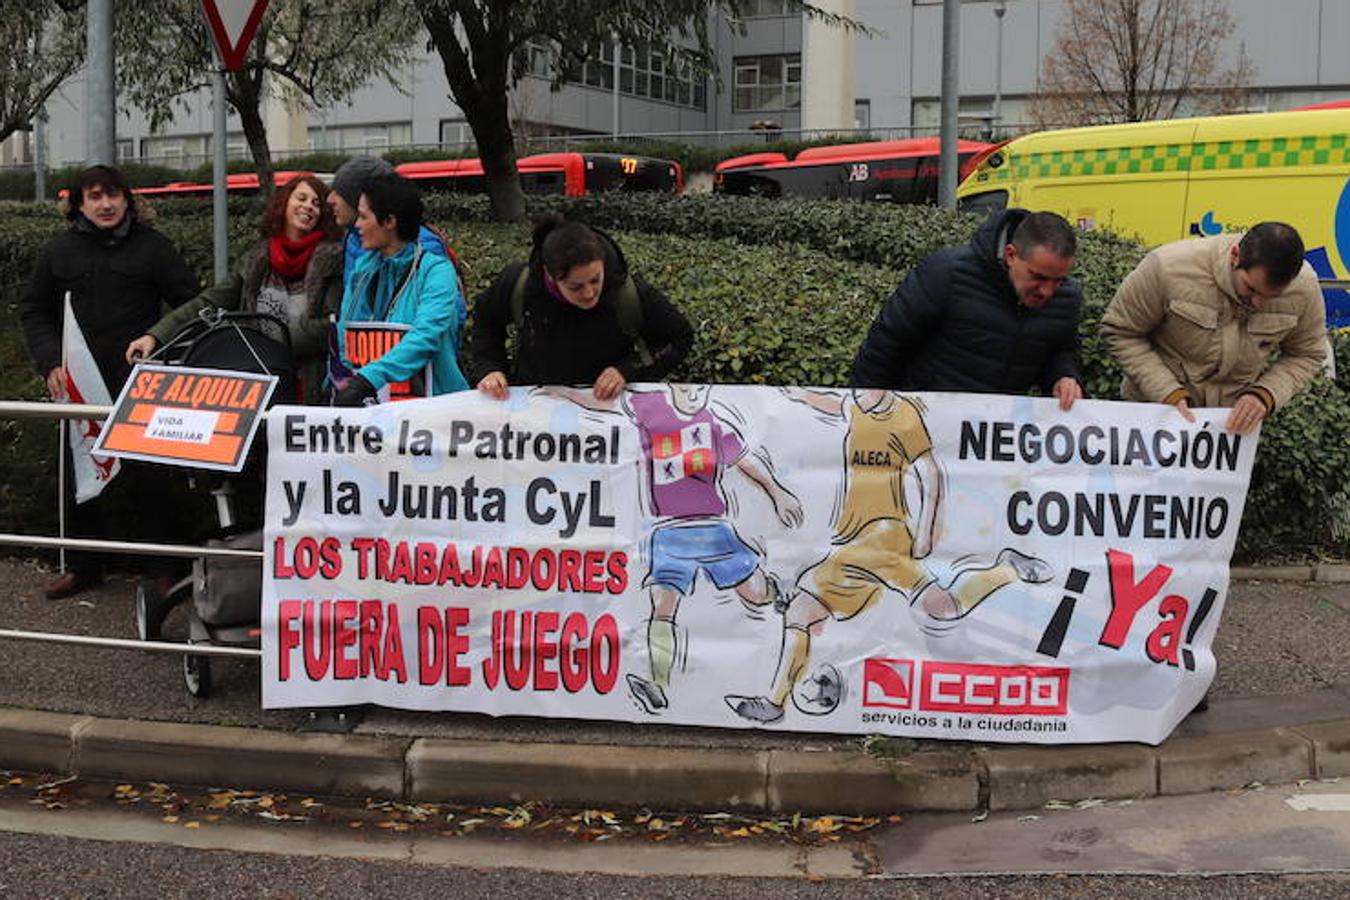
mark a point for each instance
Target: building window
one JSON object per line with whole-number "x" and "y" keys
{"x": 455, "y": 133}
{"x": 771, "y": 9}
{"x": 643, "y": 72}
{"x": 178, "y": 150}
{"x": 163, "y": 151}
{"x": 764, "y": 83}
{"x": 599, "y": 73}
{"x": 538, "y": 59}
{"x": 361, "y": 137}
{"x": 862, "y": 114}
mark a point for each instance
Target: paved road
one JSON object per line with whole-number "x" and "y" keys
{"x": 89, "y": 839}
{"x": 53, "y": 867}
{"x": 1276, "y": 639}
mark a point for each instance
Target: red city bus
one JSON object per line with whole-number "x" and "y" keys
{"x": 887, "y": 171}
{"x": 242, "y": 184}
{"x": 570, "y": 174}
{"x": 1330, "y": 104}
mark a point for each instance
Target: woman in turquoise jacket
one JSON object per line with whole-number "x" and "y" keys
{"x": 396, "y": 290}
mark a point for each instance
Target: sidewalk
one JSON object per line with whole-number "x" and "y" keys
{"x": 1280, "y": 712}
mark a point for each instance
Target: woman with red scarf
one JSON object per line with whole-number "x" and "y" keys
{"x": 294, "y": 273}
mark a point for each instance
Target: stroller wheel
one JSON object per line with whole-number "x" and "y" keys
{"x": 153, "y": 603}
{"x": 197, "y": 674}
{"x": 143, "y": 616}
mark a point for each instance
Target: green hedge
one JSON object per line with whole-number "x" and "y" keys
{"x": 763, "y": 315}
{"x": 781, "y": 292}
{"x": 878, "y": 237}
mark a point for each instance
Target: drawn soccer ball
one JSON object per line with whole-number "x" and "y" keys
{"x": 819, "y": 693}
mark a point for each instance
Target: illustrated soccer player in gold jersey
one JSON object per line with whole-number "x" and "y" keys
{"x": 874, "y": 546}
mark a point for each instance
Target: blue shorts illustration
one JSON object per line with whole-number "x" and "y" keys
{"x": 679, "y": 552}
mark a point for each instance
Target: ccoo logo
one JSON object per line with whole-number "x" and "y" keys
{"x": 888, "y": 683}
{"x": 965, "y": 687}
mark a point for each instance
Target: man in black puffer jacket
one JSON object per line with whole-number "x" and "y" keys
{"x": 997, "y": 315}
{"x": 120, "y": 273}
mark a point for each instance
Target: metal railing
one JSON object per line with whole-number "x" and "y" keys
{"x": 19, "y": 409}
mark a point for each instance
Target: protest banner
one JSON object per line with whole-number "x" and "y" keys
{"x": 955, "y": 566}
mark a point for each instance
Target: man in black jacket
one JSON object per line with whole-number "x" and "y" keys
{"x": 997, "y": 315}
{"x": 119, "y": 273}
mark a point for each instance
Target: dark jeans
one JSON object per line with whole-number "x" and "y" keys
{"x": 145, "y": 502}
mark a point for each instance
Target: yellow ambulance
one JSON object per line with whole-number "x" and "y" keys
{"x": 1163, "y": 181}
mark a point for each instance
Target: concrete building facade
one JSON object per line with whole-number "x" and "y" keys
{"x": 779, "y": 69}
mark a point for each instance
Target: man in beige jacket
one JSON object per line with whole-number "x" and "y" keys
{"x": 1197, "y": 323}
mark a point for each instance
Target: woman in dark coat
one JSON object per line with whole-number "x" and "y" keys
{"x": 581, "y": 317}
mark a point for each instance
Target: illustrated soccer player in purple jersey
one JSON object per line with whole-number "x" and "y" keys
{"x": 686, "y": 447}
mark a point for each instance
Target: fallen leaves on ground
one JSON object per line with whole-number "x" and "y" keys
{"x": 194, "y": 809}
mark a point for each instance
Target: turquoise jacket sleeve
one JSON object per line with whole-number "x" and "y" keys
{"x": 432, "y": 312}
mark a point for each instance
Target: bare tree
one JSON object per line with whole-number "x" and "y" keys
{"x": 44, "y": 45}
{"x": 321, "y": 52}
{"x": 1138, "y": 60}
{"x": 480, "y": 44}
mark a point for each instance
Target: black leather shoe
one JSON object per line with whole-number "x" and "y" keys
{"x": 72, "y": 583}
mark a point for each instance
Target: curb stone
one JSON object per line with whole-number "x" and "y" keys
{"x": 1332, "y": 572}
{"x": 213, "y": 755}
{"x": 1193, "y": 765}
{"x": 38, "y": 741}
{"x": 1272, "y": 573}
{"x": 1028, "y": 778}
{"x": 1328, "y": 572}
{"x": 578, "y": 774}
{"x": 955, "y": 778}
{"x": 859, "y": 784}
{"x": 1331, "y": 747}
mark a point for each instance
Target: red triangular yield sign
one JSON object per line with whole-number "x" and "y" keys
{"x": 232, "y": 24}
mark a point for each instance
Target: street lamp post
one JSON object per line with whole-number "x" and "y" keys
{"x": 615, "y": 73}
{"x": 1000, "y": 7}
{"x": 947, "y": 167}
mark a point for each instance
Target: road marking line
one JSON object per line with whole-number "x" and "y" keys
{"x": 1320, "y": 802}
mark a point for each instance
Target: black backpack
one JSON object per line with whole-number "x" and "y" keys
{"x": 628, "y": 310}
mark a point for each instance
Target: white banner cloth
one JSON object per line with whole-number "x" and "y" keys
{"x": 84, "y": 384}
{"x": 971, "y": 567}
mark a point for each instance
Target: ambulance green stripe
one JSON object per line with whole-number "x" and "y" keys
{"x": 1214, "y": 156}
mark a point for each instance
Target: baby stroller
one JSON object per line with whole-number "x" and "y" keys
{"x": 225, "y": 593}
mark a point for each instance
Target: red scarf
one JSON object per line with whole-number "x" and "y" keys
{"x": 290, "y": 258}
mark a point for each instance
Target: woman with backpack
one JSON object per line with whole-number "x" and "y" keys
{"x": 580, "y": 317}
{"x": 293, "y": 273}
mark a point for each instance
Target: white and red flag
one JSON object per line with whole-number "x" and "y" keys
{"x": 84, "y": 384}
